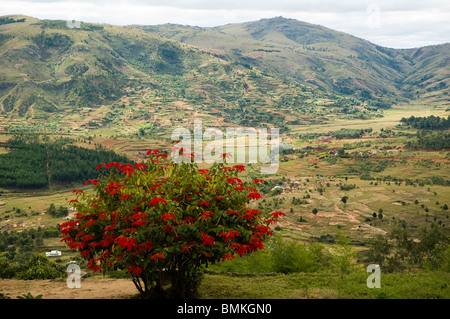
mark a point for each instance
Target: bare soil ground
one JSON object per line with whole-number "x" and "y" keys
{"x": 91, "y": 288}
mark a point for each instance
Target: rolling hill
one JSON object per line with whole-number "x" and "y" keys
{"x": 99, "y": 75}
{"x": 269, "y": 72}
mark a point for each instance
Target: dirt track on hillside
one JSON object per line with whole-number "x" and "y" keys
{"x": 412, "y": 159}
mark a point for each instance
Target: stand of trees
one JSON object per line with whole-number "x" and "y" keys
{"x": 7, "y": 20}
{"x": 32, "y": 164}
{"x": 343, "y": 133}
{"x": 430, "y": 141}
{"x": 397, "y": 250}
{"x": 61, "y": 211}
{"x": 427, "y": 123}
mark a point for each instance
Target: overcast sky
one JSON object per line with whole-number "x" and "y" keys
{"x": 390, "y": 23}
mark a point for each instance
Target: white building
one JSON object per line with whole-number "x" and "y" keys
{"x": 53, "y": 253}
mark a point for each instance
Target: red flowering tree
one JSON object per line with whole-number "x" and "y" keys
{"x": 165, "y": 222}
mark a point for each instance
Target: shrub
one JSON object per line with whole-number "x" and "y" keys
{"x": 294, "y": 256}
{"x": 342, "y": 255}
{"x": 61, "y": 211}
{"x": 165, "y": 221}
{"x": 37, "y": 267}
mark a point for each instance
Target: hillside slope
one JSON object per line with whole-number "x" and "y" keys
{"x": 314, "y": 54}
{"x": 269, "y": 72}
{"x": 51, "y": 72}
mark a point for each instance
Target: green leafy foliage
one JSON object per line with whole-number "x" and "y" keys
{"x": 289, "y": 256}
{"x": 29, "y": 296}
{"x": 296, "y": 257}
{"x": 53, "y": 40}
{"x": 36, "y": 267}
{"x": 77, "y": 69}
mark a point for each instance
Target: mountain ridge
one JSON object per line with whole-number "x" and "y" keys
{"x": 346, "y": 46}
{"x": 272, "y": 71}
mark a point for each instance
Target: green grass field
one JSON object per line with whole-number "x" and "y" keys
{"x": 408, "y": 285}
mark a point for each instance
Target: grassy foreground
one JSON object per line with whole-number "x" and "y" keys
{"x": 404, "y": 285}
{"x": 230, "y": 286}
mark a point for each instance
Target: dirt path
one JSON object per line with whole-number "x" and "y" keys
{"x": 412, "y": 159}
{"x": 91, "y": 288}
{"x": 342, "y": 217}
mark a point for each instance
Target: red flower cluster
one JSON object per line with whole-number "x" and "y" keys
{"x": 231, "y": 234}
{"x": 275, "y": 215}
{"x": 138, "y": 219}
{"x": 187, "y": 246}
{"x": 139, "y": 215}
{"x": 265, "y": 230}
{"x": 228, "y": 256}
{"x": 207, "y": 240}
{"x": 67, "y": 227}
{"x": 140, "y": 166}
{"x": 139, "y": 223}
{"x": 155, "y": 201}
{"x": 250, "y": 214}
{"x": 109, "y": 165}
{"x": 93, "y": 181}
{"x": 121, "y": 198}
{"x": 136, "y": 270}
{"x": 240, "y": 249}
{"x": 167, "y": 216}
{"x": 89, "y": 223}
{"x": 125, "y": 242}
{"x": 239, "y": 168}
{"x": 146, "y": 246}
{"x": 234, "y": 180}
{"x": 113, "y": 188}
{"x": 127, "y": 169}
{"x": 205, "y": 215}
{"x": 254, "y": 196}
{"x": 188, "y": 220}
{"x": 153, "y": 152}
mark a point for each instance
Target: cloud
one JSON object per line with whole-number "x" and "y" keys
{"x": 270, "y": 5}
{"x": 395, "y": 29}
{"x": 397, "y": 24}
